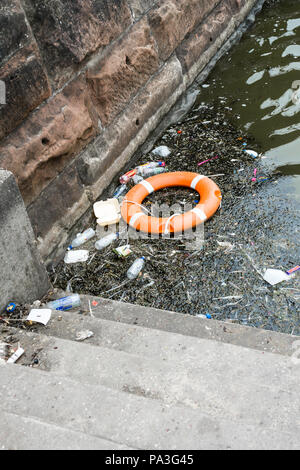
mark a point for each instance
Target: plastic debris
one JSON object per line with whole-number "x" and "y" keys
{"x": 42, "y": 316}
{"x": 134, "y": 271}
{"x": 107, "y": 212}
{"x": 252, "y": 153}
{"x": 10, "y": 307}
{"x": 76, "y": 256}
{"x": 152, "y": 171}
{"x": 65, "y": 303}
{"x": 162, "y": 151}
{"x": 275, "y": 276}
{"x": 120, "y": 191}
{"x": 147, "y": 166}
{"x": 206, "y": 161}
{"x": 137, "y": 179}
{"x": 124, "y": 179}
{"x": 293, "y": 270}
{"x": 123, "y": 251}
{"x": 83, "y": 335}
{"x": 106, "y": 241}
{"x": 82, "y": 238}
{"x": 16, "y": 356}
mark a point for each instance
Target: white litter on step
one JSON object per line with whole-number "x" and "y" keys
{"x": 76, "y": 256}
{"x": 162, "y": 151}
{"x": 40, "y": 316}
{"x": 82, "y": 335}
{"x": 275, "y": 276}
{"x": 19, "y": 352}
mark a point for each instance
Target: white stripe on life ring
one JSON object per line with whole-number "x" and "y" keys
{"x": 201, "y": 214}
{"x": 196, "y": 181}
{"x": 135, "y": 217}
{"x": 147, "y": 186}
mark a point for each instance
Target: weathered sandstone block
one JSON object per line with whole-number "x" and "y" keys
{"x": 68, "y": 31}
{"x": 116, "y": 78}
{"x": 46, "y": 142}
{"x": 172, "y": 20}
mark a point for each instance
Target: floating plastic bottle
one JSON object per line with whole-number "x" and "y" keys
{"x": 124, "y": 179}
{"x": 136, "y": 268}
{"x": 65, "y": 303}
{"x": 252, "y": 153}
{"x": 140, "y": 169}
{"x": 120, "y": 191}
{"x": 137, "y": 179}
{"x": 152, "y": 171}
{"x": 82, "y": 238}
{"x": 106, "y": 241}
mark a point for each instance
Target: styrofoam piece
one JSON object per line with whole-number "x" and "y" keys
{"x": 275, "y": 276}
{"x": 162, "y": 151}
{"x": 76, "y": 256}
{"x": 41, "y": 315}
{"x": 107, "y": 212}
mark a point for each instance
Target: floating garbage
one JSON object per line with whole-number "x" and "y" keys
{"x": 209, "y": 160}
{"x": 16, "y": 355}
{"x": 137, "y": 267}
{"x": 252, "y": 153}
{"x": 42, "y": 316}
{"x": 65, "y": 303}
{"x": 147, "y": 166}
{"x": 123, "y": 251}
{"x": 82, "y": 238}
{"x": 124, "y": 179}
{"x": 293, "y": 270}
{"x": 275, "y": 276}
{"x": 106, "y": 241}
{"x": 83, "y": 335}
{"x": 107, "y": 212}
{"x": 76, "y": 256}
{"x": 162, "y": 151}
{"x": 147, "y": 172}
{"x": 11, "y": 307}
{"x": 120, "y": 191}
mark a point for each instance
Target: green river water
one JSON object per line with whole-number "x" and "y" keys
{"x": 259, "y": 79}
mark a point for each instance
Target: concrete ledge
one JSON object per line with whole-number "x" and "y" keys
{"x": 23, "y": 277}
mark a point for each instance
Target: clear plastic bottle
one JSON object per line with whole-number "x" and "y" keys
{"x": 137, "y": 179}
{"x": 82, "y": 238}
{"x": 106, "y": 241}
{"x": 120, "y": 191}
{"x": 65, "y": 303}
{"x": 151, "y": 172}
{"x": 136, "y": 268}
{"x": 140, "y": 169}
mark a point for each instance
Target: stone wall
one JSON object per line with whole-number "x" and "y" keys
{"x": 86, "y": 82}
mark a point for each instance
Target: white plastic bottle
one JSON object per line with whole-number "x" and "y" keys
{"x": 106, "y": 241}
{"x": 136, "y": 268}
{"x": 82, "y": 238}
{"x": 65, "y": 303}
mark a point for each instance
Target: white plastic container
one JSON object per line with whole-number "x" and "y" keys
{"x": 65, "y": 303}
{"x": 136, "y": 268}
{"x": 82, "y": 238}
{"x": 76, "y": 256}
{"x": 106, "y": 241}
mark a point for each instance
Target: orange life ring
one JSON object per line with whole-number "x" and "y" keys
{"x": 210, "y": 200}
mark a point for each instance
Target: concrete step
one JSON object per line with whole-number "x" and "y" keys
{"x": 123, "y": 418}
{"x": 24, "y": 433}
{"x": 174, "y": 322}
{"x": 221, "y": 380}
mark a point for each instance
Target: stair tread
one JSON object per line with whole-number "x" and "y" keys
{"x": 135, "y": 421}
{"x": 219, "y": 379}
